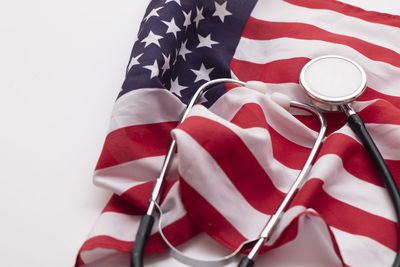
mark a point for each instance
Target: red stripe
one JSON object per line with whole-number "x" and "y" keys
{"x": 154, "y": 245}
{"x": 280, "y": 71}
{"x": 382, "y": 112}
{"x": 345, "y": 217}
{"x": 105, "y": 241}
{"x": 230, "y": 86}
{"x": 236, "y": 160}
{"x": 120, "y": 205}
{"x": 135, "y": 142}
{"x": 79, "y": 261}
{"x": 394, "y": 167}
{"x": 208, "y": 218}
{"x": 251, "y": 115}
{"x": 265, "y": 30}
{"x": 371, "y": 94}
{"x": 351, "y": 11}
{"x": 335, "y": 121}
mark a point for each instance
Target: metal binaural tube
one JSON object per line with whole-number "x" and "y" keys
{"x": 274, "y": 219}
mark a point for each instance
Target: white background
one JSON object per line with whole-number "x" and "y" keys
{"x": 61, "y": 66}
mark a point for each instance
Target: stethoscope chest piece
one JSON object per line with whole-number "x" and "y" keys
{"x": 332, "y": 81}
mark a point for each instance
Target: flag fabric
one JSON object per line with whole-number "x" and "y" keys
{"x": 239, "y": 152}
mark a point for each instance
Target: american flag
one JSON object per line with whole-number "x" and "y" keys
{"x": 238, "y": 152}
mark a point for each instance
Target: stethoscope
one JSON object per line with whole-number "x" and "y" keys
{"x": 332, "y": 83}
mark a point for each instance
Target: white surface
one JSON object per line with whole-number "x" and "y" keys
{"x": 61, "y": 66}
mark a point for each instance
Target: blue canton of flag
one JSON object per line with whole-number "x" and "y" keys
{"x": 184, "y": 43}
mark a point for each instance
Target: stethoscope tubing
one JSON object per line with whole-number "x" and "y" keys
{"x": 358, "y": 127}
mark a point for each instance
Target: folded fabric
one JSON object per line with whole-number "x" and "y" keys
{"x": 238, "y": 152}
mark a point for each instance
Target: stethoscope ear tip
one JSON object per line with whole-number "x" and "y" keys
{"x": 281, "y": 99}
{"x": 257, "y": 86}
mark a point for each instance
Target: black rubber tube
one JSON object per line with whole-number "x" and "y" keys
{"x": 357, "y": 125}
{"x": 142, "y": 236}
{"x": 246, "y": 262}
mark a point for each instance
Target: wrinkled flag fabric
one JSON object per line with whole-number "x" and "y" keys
{"x": 239, "y": 152}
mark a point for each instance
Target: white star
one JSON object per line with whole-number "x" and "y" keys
{"x": 172, "y": 28}
{"x": 166, "y": 63}
{"x": 220, "y": 11}
{"x": 183, "y": 51}
{"x": 199, "y": 16}
{"x": 187, "y": 18}
{"x": 152, "y": 39}
{"x": 176, "y": 88}
{"x": 202, "y": 73}
{"x": 176, "y": 1}
{"x": 153, "y": 68}
{"x": 134, "y": 61}
{"x": 206, "y": 41}
{"x": 152, "y": 13}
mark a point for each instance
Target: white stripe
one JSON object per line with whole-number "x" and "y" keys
{"x": 385, "y": 136}
{"x": 144, "y": 106}
{"x": 172, "y": 206}
{"x": 124, "y": 227}
{"x": 121, "y": 177}
{"x": 381, "y": 76}
{"x": 117, "y": 225}
{"x": 343, "y": 186}
{"x": 362, "y": 251}
{"x": 279, "y": 119}
{"x": 280, "y": 11}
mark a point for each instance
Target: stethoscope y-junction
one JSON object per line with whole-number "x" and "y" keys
{"x": 332, "y": 82}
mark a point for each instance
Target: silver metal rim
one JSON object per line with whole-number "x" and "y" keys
{"x": 331, "y": 103}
